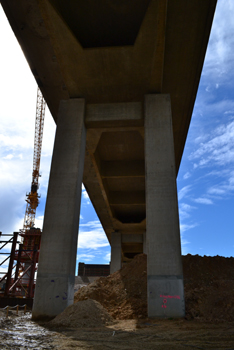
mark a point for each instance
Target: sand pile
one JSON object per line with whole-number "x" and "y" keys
{"x": 88, "y": 313}
{"x": 209, "y": 289}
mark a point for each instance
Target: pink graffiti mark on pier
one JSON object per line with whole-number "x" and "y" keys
{"x": 164, "y": 303}
{"x": 170, "y": 296}
{"x": 166, "y": 297}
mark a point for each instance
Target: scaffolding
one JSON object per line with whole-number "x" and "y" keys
{"x": 19, "y": 280}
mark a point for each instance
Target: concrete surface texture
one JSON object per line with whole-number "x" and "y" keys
{"x": 56, "y": 272}
{"x": 113, "y": 55}
{"x": 116, "y": 259}
{"x": 164, "y": 262}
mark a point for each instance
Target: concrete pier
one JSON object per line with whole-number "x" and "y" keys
{"x": 144, "y": 243}
{"x": 56, "y": 272}
{"x": 116, "y": 259}
{"x": 164, "y": 263}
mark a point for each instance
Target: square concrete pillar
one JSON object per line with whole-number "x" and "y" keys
{"x": 57, "y": 261}
{"x": 164, "y": 262}
{"x": 116, "y": 252}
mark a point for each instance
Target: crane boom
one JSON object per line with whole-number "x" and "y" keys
{"x": 32, "y": 198}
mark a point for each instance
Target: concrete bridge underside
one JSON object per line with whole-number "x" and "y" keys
{"x": 120, "y": 79}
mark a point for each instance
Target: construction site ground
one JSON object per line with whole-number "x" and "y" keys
{"x": 110, "y": 313}
{"x": 20, "y": 333}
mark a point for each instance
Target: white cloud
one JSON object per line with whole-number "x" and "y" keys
{"x": 9, "y": 156}
{"x": 220, "y": 54}
{"x": 89, "y": 255}
{"x": 4, "y": 257}
{"x": 85, "y": 195}
{"x": 203, "y": 200}
{"x": 92, "y": 224}
{"x": 14, "y": 143}
{"x": 223, "y": 188}
{"x": 92, "y": 240}
{"x": 219, "y": 149}
{"x": 186, "y": 227}
{"x": 201, "y": 138}
{"x": 92, "y": 236}
{"x": 184, "y": 210}
{"x": 184, "y": 191}
{"x": 187, "y": 175}
{"x": 3, "y": 269}
{"x": 85, "y": 257}
{"x": 107, "y": 257}
{"x": 215, "y": 190}
{"x": 187, "y": 207}
{"x": 39, "y": 221}
{"x": 219, "y": 173}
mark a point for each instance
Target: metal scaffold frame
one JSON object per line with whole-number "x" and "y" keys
{"x": 19, "y": 279}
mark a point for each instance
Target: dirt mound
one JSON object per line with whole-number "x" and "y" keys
{"x": 123, "y": 293}
{"x": 208, "y": 281}
{"x": 209, "y": 287}
{"x": 87, "y": 313}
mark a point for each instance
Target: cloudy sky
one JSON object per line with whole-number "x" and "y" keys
{"x": 206, "y": 178}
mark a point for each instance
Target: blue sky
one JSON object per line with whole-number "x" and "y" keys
{"x": 206, "y": 177}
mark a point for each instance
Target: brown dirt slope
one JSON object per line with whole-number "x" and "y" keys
{"x": 209, "y": 289}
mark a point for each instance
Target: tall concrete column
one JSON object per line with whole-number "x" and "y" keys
{"x": 144, "y": 243}
{"x": 57, "y": 261}
{"x": 164, "y": 262}
{"x": 116, "y": 253}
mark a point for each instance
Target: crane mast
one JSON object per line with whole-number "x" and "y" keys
{"x": 32, "y": 198}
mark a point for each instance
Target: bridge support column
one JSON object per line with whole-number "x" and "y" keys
{"x": 144, "y": 243}
{"x": 116, "y": 257}
{"x": 164, "y": 262}
{"x": 56, "y": 272}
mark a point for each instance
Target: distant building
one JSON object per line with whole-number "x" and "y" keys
{"x": 93, "y": 269}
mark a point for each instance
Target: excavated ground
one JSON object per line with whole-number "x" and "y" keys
{"x": 208, "y": 282}
{"x": 111, "y": 314}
